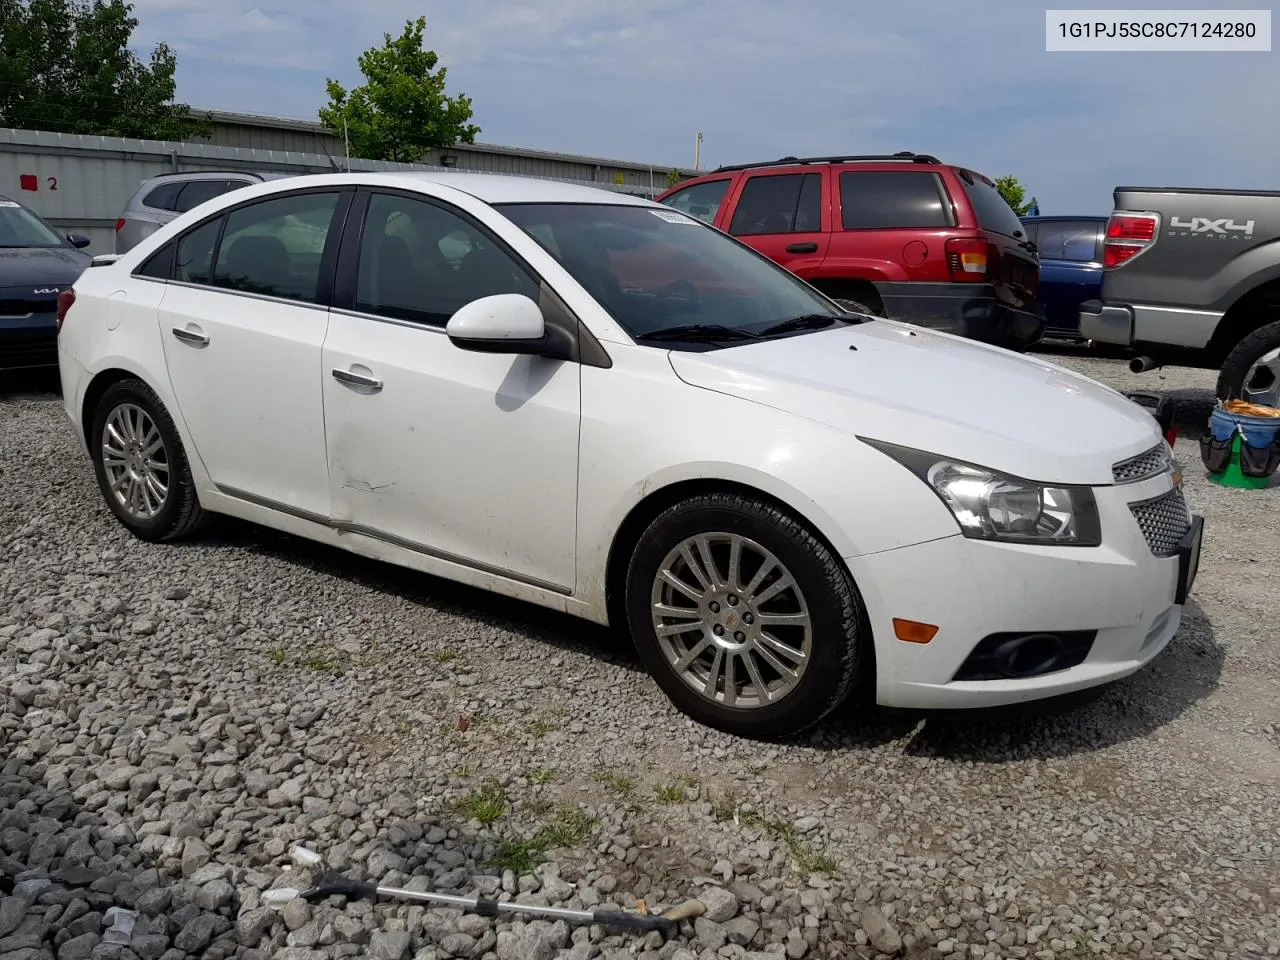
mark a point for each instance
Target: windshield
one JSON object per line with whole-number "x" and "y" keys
{"x": 658, "y": 271}
{"x": 19, "y": 227}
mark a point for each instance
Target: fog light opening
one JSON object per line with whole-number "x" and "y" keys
{"x": 1029, "y": 655}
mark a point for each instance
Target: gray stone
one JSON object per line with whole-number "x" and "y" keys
{"x": 196, "y": 933}
{"x": 151, "y": 946}
{"x": 880, "y": 932}
{"x": 194, "y": 856}
{"x": 741, "y": 930}
{"x": 12, "y": 910}
{"x": 253, "y": 925}
{"x": 710, "y": 934}
{"x": 389, "y": 945}
{"x": 296, "y": 914}
{"x": 78, "y": 948}
{"x": 721, "y": 904}
{"x": 458, "y": 945}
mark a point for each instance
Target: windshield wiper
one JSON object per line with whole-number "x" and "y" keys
{"x": 698, "y": 331}
{"x": 810, "y": 321}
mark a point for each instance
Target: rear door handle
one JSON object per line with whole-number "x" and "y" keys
{"x": 802, "y": 248}
{"x": 357, "y": 379}
{"x": 193, "y": 337}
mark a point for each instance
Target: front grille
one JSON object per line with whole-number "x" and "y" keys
{"x": 25, "y": 308}
{"x": 28, "y": 352}
{"x": 1164, "y": 521}
{"x": 1155, "y": 461}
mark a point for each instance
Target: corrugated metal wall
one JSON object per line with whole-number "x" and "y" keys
{"x": 281, "y": 133}
{"x": 81, "y": 184}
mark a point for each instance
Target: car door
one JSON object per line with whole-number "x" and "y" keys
{"x": 469, "y": 457}
{"x": 243, "y": 321}
{"x": 785, "y": 216}
{"x": 1070, "y": 270}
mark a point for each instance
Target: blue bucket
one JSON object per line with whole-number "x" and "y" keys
{"x": 1257, "y": 431}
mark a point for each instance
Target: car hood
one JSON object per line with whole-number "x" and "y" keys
{"x": 936, "y": 392}
{"x": 41, "y": 266}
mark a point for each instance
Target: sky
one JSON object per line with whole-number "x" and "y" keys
{"x": 968, "y": 82}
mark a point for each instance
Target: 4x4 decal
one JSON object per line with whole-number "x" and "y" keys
{"x": 1206, "y": 226}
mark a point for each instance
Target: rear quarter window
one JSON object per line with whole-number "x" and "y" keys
{"x": 164, "y": 197}
{"x": 702, "y": 200}
{"x": 992, "y": 210}
{"x": 879, "y": 200}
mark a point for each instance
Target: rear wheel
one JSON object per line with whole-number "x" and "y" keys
{"x": 141, "y": 467}
{"x": 1252, "y": 369}
{"x": 743, "y": 617}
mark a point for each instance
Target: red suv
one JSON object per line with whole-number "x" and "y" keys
{"x": 904, "y": 236}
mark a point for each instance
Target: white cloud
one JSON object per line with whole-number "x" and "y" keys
{"x": 971, "y": 83}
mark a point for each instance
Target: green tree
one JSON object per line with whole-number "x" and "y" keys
{"x": 673, "y": 178}
{"x": 1015, "y": 194}
{"x": 66, "y": 67}
{"x": 401, "y": 112}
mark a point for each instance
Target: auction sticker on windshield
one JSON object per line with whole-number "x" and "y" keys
{"x": 672, "y": 217}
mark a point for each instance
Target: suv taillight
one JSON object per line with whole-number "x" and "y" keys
{"x": 967, "y": 259}
{"x": 1128, "y": 234}
{"x": 65, "y": 299}
{"x": 119, "y": 224}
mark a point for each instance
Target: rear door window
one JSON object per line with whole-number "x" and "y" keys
{"x": 196, "y": 192}
{"x": 1049, "y": 237}
{"x": 702, "y": 200}
{"x": 878, "y": 200}
{"x": 1067, "y": 240}
{"x": 164, "y": 197}
{"x": 993, "y": 211}
{"x": 781, "y": 203}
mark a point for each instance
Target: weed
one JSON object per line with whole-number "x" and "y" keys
{"x": 522, "y": 855}
{"x": 676, "y": 790}
{"x": 462, "y": 770}
{"x": 486, "y": 804}
{"x": 277, "y": 656}
{"x": 618, "y": 784}
{"x": 539, "y": 776}
{"x": 447, "y": 655}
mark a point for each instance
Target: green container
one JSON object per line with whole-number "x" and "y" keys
{"x": 1232, "y": 477}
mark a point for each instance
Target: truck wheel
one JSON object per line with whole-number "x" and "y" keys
{"x": 1252, "y": 369}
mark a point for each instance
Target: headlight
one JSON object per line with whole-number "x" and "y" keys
{"x": 990, "y": 505}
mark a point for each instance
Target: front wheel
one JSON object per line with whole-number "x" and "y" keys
{"x": 744, "y": 618}
{"x": 855, "y": 306}
{"x": 141, "y": 467}
{"x": 1251, "y": 371}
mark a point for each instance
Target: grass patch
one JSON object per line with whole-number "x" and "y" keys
{"x": 522, "y": 855}
{"x": 447, "y": 655}
{"x": 540, "y": 776}
{"x": 277, "y": 656}
{"x": 808, "y": 856}
{"x": 620, "y": 785}
{"x": 487, "y": 804}
{"x": 542, "y": 726}
{"x": 676, "y": 791}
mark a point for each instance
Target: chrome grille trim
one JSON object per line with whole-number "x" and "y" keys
{"x": 1163, "y": 520}
{"x": 1145, "y": 465}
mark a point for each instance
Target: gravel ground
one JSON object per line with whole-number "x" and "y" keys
{"x": 175, "y": 719}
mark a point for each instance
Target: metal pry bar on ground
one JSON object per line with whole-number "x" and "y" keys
{"x": 333, "y": 884}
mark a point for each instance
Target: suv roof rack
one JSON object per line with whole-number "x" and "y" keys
{"x": 904, "y": 156}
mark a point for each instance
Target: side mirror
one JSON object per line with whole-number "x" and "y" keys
{"x": 78, "y": 240}
{"x": 503, "y": 323}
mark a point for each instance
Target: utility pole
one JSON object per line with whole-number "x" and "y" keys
{"x": 697, "y": 152}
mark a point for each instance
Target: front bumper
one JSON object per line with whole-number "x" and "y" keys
{"x": 970, "y": 310}
{"x": 29, "y": 342}
{"x": 1120, "y": 594}
{"x": 1106, "y": 323}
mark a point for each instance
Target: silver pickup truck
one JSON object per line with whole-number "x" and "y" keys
{"x": 1192, "y": 277}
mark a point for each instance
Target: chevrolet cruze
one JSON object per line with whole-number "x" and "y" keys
{"x": 599, "y": 404}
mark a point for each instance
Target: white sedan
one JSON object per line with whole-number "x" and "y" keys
{"x": 597, "y": 404}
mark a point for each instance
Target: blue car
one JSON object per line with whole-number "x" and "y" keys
{"x": 1070, "y": 269}
{"x": 36, "y": 264}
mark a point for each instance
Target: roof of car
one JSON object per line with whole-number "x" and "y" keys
{"x": 493, "y": 188}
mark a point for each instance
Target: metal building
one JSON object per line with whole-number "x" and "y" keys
{"x": 254, "y": 132}
{"x": 81, "y": 183}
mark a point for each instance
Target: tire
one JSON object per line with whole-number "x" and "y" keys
{"x": 840, "y": 653}
{"x": 854, "y": 306}
{"x": 178, "y": 512}
{"x": 1243, "y": 356}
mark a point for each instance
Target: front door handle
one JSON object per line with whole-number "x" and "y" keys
{"x": 802, "y": 248}
{"x": 357, "y": 379}
{"x": 192, "y": 337}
